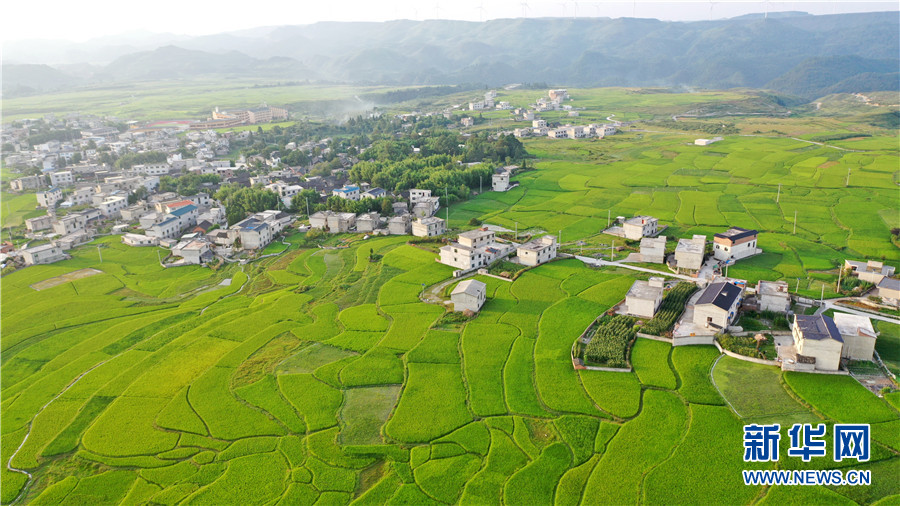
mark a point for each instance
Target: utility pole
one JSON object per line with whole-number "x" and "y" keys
{"x": 480, "y": 187}
{"x": 560, "y": 238}
{"x": 101, "y": 254}
{"x": 307, "y": 207}
{"x": 517, "y": 231}
{"x": 840, "y": 273}
{"x": 447, "y": 199}
{"x": 778, "y": 195}
{"x": 795, "y": 223}
{"x": 611, "y": 248}
{"x": 848, "y": 177}
{"x": 798, "y": 287}
{"x": 822, "y": 297}
{"x": 608, "y": 217}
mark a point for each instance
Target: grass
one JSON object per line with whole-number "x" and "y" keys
{"x": 694, "y": 365}
{"x": 431, "y": 405}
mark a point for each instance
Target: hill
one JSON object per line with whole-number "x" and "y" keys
{"x": 799, "y": 54}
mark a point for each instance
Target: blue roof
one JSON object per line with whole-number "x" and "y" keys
{"x": 348, "y": 189}
{"x": 183, "y": 210}
{"x": 170, "y": 220}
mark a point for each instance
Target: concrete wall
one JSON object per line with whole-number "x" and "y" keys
{"x": 641, "y": 307}
{"x": 702, "y": 312}
{"x": 858, "y": 347}
{"x": 694, "y": 340}
{"x": 827, "y": 353}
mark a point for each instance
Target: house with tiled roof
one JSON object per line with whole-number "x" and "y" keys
{"x": 717, "y": 306}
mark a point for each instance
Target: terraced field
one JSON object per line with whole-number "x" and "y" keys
{"x": 704, "y": 190}
{"x": 319, "y": 377}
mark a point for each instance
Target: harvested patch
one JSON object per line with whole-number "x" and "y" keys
{"x": 65, "y": 278}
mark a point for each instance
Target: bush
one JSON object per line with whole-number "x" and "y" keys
{"x": 474, "y": 222}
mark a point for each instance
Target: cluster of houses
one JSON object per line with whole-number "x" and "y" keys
{"x": 540, "y": 128}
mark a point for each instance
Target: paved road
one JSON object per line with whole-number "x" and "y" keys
{"x": 831, "y": 305}
{"x": 599, "y": 262}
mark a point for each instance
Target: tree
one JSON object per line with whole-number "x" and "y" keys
{"x": 306, "y": 196}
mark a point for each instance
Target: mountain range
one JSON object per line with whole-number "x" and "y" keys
{"x": 797, "y": 54}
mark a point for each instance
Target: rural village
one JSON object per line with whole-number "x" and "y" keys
{"x": 184, "y": 191}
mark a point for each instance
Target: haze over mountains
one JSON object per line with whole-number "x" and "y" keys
{"x": 796, "y": 54}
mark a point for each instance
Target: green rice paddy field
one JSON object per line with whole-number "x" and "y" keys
{"x": 577, "y": 184}
{"x": 318, "y": 377}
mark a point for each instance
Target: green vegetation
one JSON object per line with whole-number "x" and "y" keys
{"x": 319, "y": 376}
{"x": 671, "y": 308}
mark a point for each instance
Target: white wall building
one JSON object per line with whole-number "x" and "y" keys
{"x": 537, "y": 251}
{"x": 469, "y": 294}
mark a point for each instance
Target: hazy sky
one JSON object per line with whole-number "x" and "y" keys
{"x": 87, "y": 19}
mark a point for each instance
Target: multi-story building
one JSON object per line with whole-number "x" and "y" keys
{"x": 639, "y": 227}
{"x": 537, "y": 251}
{"x": 49, "y": 198}
{"x": 690, "y": 252}
{"x": 428, "y": 227}
{"x": 473, "y": 249}
{"x": 734, "y": 244}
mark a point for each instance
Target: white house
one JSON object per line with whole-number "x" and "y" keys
{"x": 773, "y": 296}
{"x": 858, "y": 334}
{"x": 639, "y": 227}
{"x": 111, "y": 206}
{"x": 653, "y": 249}
{"x": 44, "y": 254}
{"x": 428, "y": 227}
{"x": 468, "y": 295}
{"x": 717, "y": 306}
{"x": 817, "y": 342}
{"x": 139, "y": 240}
{"x": 399, "y": 225}
{"x": 500, "y": 181}
{"x": 49, "y": 198}
{"x": 195, "y": 251}
{"x": 734, "y": 244}
{"x": 690, "y": 252}
{"x": 62, "y": 178}
{"x": 473, "y": 249}
{"x": 537, "y": 251}
{"x": 348, "y": 192}
{"x": 872, "y": 271}
{"x": 644, "y": 297}
{"x": 368, "y": 222}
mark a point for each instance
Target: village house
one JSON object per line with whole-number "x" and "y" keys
{"x": 889, "y": 291}
{"x": 644, "y": 297}
{"x": 773, "y": 296}
{"x": 639, "y": 227}
{"x": 717, "y": 306}
{"x": 49, "y": 198}
{"x": 348, "y": 192}
{"x": 400, "y": 208}
{"x": 62, "y": 178}
{"x": 469, "y": 295}
{"x": 870, "y": 272}
{"x": 473, "y": 249}
{"x": 374, "y": 193}
{"x": 27, "y": 183}
{"x": 368, "y": 222}
{"x": 40, "y": 223}
{"x": 817, "y": 344}
{"x": 734, "y": 244}
{"x": 689, "y": 253}
{"x": 330, "y": 221}
{"x": 537, "y": 251}
{"x": 43, "y": 254}
{"x": 167, "y": 228}
{"x": 110, "y": 206}
{"x": 467, "y": 121}
{"x": 858, "y": 334}
{"x": 500, "y": 181}
{"x": 69, "y": 224}
{"x": 81, "y": 196}
{"x": 257, "y": 230}
{"x": 399, "y": 225}
{"x": 139, "y": 240}
{"x": 653, "y": 249}
{"x": 428, "y": 227}
{"x": 194, "y": 251}
{"x": 134, "y": 213}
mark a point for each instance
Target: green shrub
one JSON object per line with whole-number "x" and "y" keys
{"x": 609, "y": 341}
